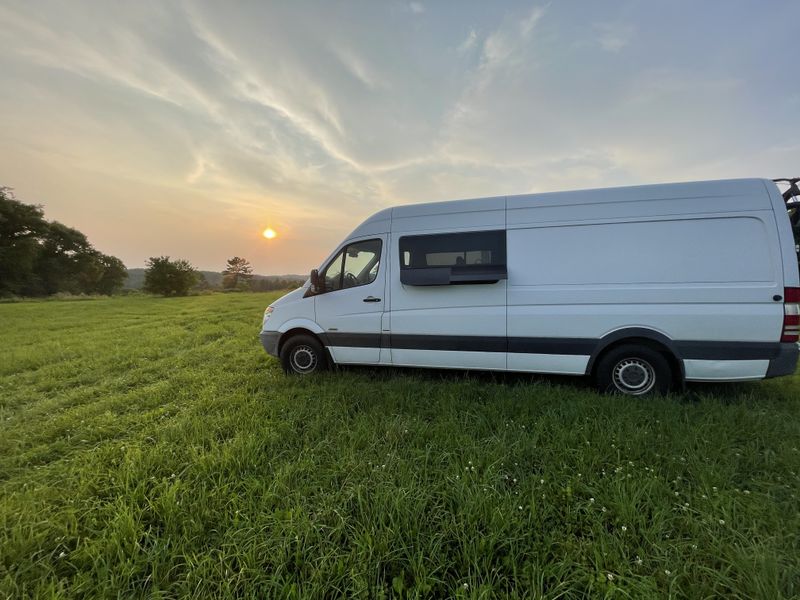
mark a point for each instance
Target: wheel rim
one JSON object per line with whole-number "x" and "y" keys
{"x": 303, "y": 359}
{"x": 634, "y": 376}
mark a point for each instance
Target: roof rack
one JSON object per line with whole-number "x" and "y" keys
{"x": 792, "y": 199}
{"x": 793, "y": 193}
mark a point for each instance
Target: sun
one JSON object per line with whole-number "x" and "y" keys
{"x": 269, "y": 233}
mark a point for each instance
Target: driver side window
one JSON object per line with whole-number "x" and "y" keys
{"x": 357, "y": 264}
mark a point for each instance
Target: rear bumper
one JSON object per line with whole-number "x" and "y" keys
{"x": 785, "y": 363}
{"x": 269, "y": 339}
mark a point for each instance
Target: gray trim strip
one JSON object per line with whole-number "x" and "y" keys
{"x": 269, "y": 339}
{"x": 786, "y": 361}
{"x": 698, "y": 350}
{"x": 728, "y": 350}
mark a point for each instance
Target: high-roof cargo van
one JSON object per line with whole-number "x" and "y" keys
{"x": 641, "y": 288}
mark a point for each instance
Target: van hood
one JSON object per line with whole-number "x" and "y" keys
{"x": 292, "y": 296}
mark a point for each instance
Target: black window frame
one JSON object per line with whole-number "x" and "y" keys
{"x": 457, "y": 274}
{"x": 342, "y": 255}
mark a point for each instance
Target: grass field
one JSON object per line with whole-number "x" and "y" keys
{"x": 150, "y": 448}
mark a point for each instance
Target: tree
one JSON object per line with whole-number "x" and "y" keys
{"x": 237, "y": 270}
{"x": 21, "y": 229}
{"x": 66, "y": 261}
{"x": 40, "y": 258}
{"x": 169, "y": 278}
{"x": 113, "y": 277}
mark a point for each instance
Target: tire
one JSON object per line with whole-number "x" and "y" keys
{"x": 303, "y": 355}
{"x": 634, "y": 370}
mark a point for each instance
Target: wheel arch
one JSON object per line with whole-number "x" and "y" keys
{"x": 295, "y": 331}
{"x": 645, "y": 337}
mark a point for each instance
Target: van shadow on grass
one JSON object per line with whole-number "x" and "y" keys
{"x": 693, "y": 392}
{"x": 500, "y": 378}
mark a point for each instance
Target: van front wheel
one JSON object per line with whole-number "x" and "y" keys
{"x": 303, "y": 355}
{"x": 634, "y": 371}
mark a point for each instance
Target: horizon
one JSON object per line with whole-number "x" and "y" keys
{"x": 188, "y": 129}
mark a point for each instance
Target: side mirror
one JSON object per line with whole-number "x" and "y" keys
{"x": 316, "y": 287}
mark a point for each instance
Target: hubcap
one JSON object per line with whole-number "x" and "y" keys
{"x": 303, "y": 359}
{"x": 634, "y": 376}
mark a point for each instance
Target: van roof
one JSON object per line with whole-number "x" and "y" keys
{"x": 661, "y": 191}
{"x": 381, "y": 220}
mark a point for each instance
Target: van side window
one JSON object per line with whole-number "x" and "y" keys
{"x": 453, "y": 249}
{"x": 451, "y": 258}
{"x": 357, "y": 264}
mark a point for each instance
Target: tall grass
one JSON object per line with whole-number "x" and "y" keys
{"x": 149, "y": 448}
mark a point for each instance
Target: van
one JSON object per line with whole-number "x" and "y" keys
{"x": 641, "y": 288}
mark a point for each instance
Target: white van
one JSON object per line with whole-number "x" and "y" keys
{"x": 642, "y": 288}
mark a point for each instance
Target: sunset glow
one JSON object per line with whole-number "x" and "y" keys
{"x": 174, "y": 129}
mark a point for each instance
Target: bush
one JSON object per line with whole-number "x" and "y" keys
{"x": 169, "y": 278}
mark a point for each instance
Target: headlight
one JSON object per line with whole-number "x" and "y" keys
{"x": 267, "y": 313}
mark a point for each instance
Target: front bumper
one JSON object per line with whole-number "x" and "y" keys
{"x": 269, "y": 339}
{"x": 785, "y": 363}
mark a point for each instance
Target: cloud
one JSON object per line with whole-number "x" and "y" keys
{"x": 264, "y": 113}
{"x": 469, "y": 42}
{"x": 358, "y": 67}
{"x": 613, "y": 37}
{"x": 528, "y": 23}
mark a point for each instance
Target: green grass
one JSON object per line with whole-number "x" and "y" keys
{"x": 149, "y": 448}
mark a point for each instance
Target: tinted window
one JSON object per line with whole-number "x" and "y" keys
{"x": 356, "y": 264}
{"x": 472, "y": 249}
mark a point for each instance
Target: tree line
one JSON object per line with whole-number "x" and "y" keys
{"x": 168, "y": 277}
{"x": 41, "y": 258}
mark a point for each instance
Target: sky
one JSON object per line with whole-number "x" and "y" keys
{"x": 187, "y": 128}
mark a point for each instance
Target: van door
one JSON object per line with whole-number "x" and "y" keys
{"x": 449, "y": 301}
{"x": 352, "y": 305}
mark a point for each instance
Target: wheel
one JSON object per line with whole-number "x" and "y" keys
{"x": 635, "y": 371}
{"x": 303, "y": 355}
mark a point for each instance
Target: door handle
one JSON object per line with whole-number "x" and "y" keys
{"x": 371, "y": 299}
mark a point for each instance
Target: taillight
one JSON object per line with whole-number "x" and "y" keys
{"x": 791, "y": 315}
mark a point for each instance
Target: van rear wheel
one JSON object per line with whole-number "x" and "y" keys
{"x": 634, "y": 371}
{"x": 303, "y": 355}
